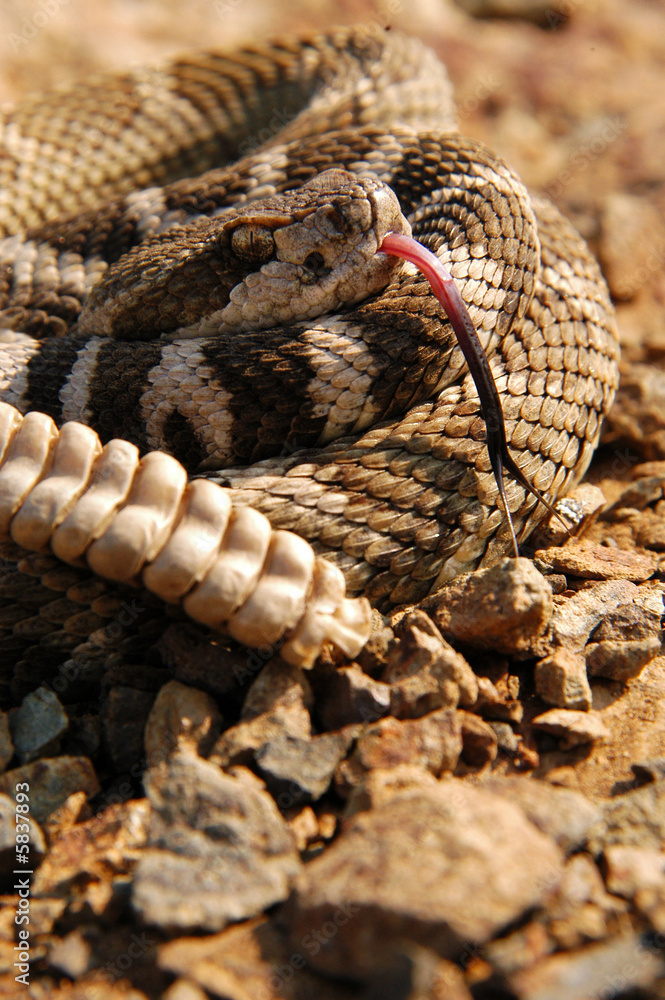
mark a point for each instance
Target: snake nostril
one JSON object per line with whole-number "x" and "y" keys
{"x": 315, "y": 262}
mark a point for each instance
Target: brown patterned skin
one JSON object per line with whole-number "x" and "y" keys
{"x": 401, "y": 501}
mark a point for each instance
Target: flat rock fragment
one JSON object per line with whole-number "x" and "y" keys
{"x": 561, "y": 680}
{"x": 408, "y": 869}
{"x": 51, "y": 781}
{"x": 504, "y": 608}
{"x": 570, "y": 727}
{"x": 618, "y": 965}
{"x": 564, "y": 814}
{"x": 38, "y": 725}
{"x": 219, "y": 851}
{"x": 593, "y": 561}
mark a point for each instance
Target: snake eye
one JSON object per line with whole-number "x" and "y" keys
{"x": 253, "y": 244}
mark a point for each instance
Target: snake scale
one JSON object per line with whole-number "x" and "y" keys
{"x": 189, "y": 265}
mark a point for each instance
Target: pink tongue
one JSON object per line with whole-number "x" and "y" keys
{"x": 449, "y": 296}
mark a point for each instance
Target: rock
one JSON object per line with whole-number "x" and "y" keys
{"x": 620, "y": 661}
{"x": 6, "y": 745}
{"x": 297, "y": 771}
{"x": 218, "y": 851}
{"x": 36, "y": 842}
{"x": 631, "y": 869}
{"x": 577, "y": 510}
{"x": 593, "y": 561}
{"x": 71, "y": 955}
{"x": 563, "y": 814}
{"x": 88, "y": 854}
{"x": 479, "y": 741}
{"x": 433, "y": 742}
{"x": 276, "y": 705}
{"x": 596, "y": 968}
{"x": 624, "y": 642}
{"x": 180, "y": 716}
{"x": 372, "y": 657}
{"x": 253, "y": 961}
{"x": 519, "y": 949}
{"x": 634, "y": 819}
{"x": 572, "y": 728}
{"x": 424, "y": 672}
{"x": 507, "y": 739}
{"x": 51, "y": 781}
{"x": 574, "y": 618}
{"x": 581, "y": 909}
{"x": 505, "y": 608}
{"x": 499, "y": 701}
{"x": 379, "y": 786}
{"x": 38, "y": 725}
{"x": 407, "y": 870}
{"x": 348, "y": 695}
{"x": 561, "y": 680}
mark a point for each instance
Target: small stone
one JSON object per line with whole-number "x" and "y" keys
{"x": 51, "y": 781}
{"x": 577, "y": 510}
{"x": 479, "y": 741}
{"x": 86, "y": 854}
{"x": 433, "y": 742}
{"x": 634, "y": 819}
{"x": 6, "y": 745}
{"x": 561, "y": 680}
{"x": 504, "y": 608}
{"x": 297, "y": 771}
{"x": 572, "y": 728}
{"x": 71, "y": 955}
{"x": 379, "y": 786}
{"x": 520, "y": 949}
{"x": 36, "y": 842}
{"x": 620, "y": 661}
{"x": 624, "y": 642}
{"x": 276, "y": 705}
{"x": 631, "y": 869}
{"x": 38, "y": 725}
{"x": 574, "y": 618}
{"x": 251, "y": 961}
{"x": 180, "y": 716}
{"x": 499, "y": 701}
{"x": 349, "y": 695}
{"x": 593, "y": 561}
{"x": 218, "y": 851}
{"x": 622, "y": 960}
{"x": 651, "y": 533}
{"x": 424, "y": 672}
{"x": 304, "y": 826}
{"x": 565, "y": 815}
{"x": 406, "y": 871}
{"x": 507, "y": 739}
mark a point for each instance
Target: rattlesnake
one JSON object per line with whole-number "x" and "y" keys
{"x": 360, "y": 428}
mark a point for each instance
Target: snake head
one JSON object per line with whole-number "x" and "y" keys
{"x": 294, "y": 256}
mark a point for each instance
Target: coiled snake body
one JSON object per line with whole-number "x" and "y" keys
{"x": 180, "y": 270}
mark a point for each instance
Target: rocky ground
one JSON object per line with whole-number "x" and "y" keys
{"x": 475, "y": 808}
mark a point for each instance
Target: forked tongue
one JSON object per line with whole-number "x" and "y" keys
{"x": 448, "y": 294}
